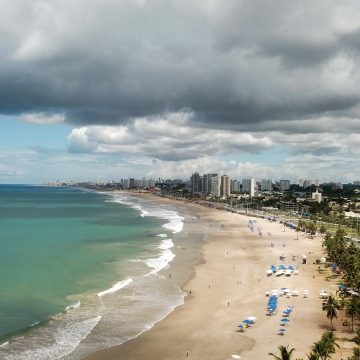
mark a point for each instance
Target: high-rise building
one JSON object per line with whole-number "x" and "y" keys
{"x": 207, "y": 183}
{"x": 284, "y": 185}
{"x": 195, "y": 182}
{"x": 131, "y": 183}
{"x": 235, "y": 186}
{"x": 249, "y": 186}
{"x": 225, "y": 185}
{"x": 266, "y": 185}
{"x": 216, "y": 186}
{"x": 301, "y": 183}
{"x": 307, "y": 183}
{"x": 337, "y": 186}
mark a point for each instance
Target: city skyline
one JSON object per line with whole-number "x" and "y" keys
{"x": 134, "y": 93}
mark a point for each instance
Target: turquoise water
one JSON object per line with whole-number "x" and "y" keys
{"x": 56, "y": 242}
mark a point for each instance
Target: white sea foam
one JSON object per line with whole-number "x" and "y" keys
{"x": 175, "y": 223}
{"x": 166, "y": 244}
{"x": 66, "y": 338}
{"x": 162, "y": 235}
{"x": 73, "y": 306}
{"x": 4, "y": 344}
{"x": 162, "y": 261}
{"x": 119, "y": 285}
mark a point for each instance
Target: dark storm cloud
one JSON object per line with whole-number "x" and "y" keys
{"x": 234, "y": 64}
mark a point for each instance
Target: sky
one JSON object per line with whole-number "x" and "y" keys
{"x": 109, "y": 89}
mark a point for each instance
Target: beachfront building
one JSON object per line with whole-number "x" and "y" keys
{"x": 284, "y": 185}
{"x": 248, "y": 186}
{"x": 235, "y": 186}
{"x": 317, "y": 196}
{"x": 126, "y": 183}
{"x": 216, "y": 186}
{"x": 288, "y": 205}
{"x": 225, "y": 185}
{"x": 266, "y": 185}
{"x": 195, "y": 183}
{"x": 207, "y": 182}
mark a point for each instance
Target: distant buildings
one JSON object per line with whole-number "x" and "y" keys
{"x": 196, "y": 183}
{"x": 337, "y": 186}
{"x": 225, "y": 186}
{"x": 235, "y": 186}
{"x": 305, "y": 183}
{"x": 207, "y": 182}
{"x": 266, "y": 185}
{"x": 248, "y": 186}
{"x": 216, "y": 186}
{"x": 284, "y": 185}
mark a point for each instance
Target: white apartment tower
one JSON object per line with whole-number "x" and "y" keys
{"x": 216, "y": 186}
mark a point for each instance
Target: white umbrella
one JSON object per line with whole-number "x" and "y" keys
{"x": 251, "y": 318}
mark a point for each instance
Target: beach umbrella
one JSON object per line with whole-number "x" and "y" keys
{"x": 282, "y": 330}
{"x": 251, "y": 318}
{"x": 285, "y": 320}
{"x": 246, "y": 321}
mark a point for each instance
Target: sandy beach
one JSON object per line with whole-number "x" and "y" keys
{"x": 228, "y": 286}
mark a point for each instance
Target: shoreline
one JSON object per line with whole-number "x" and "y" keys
{"x": 219, "y": 314}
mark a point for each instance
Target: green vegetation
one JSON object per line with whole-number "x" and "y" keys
{"x": 285, "y": 353}
{"x": 331, "y": 307}
{"x": 325, "y": 347}
{"x": 346, "y": 256}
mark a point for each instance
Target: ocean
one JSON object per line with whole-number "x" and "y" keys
{"x": 82, "y": 270}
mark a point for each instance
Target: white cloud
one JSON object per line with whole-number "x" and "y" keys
{"x": 166, "y": 138}
{"x": 42, "y": 118}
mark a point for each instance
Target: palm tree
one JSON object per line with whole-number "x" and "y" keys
{"x": 322, "y": 229}
{"x": 285, "y": 354}
{"x": 357, "y": 337}
{"x": 356, "y": 354}
{"x": 352, "y": 309}
{"x": 331, "y": 306}
{"x": 322, "y": 349}
{"x": 313, "y": 356}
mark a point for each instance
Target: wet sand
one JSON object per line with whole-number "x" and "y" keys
{"x": 230, "y": 285}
